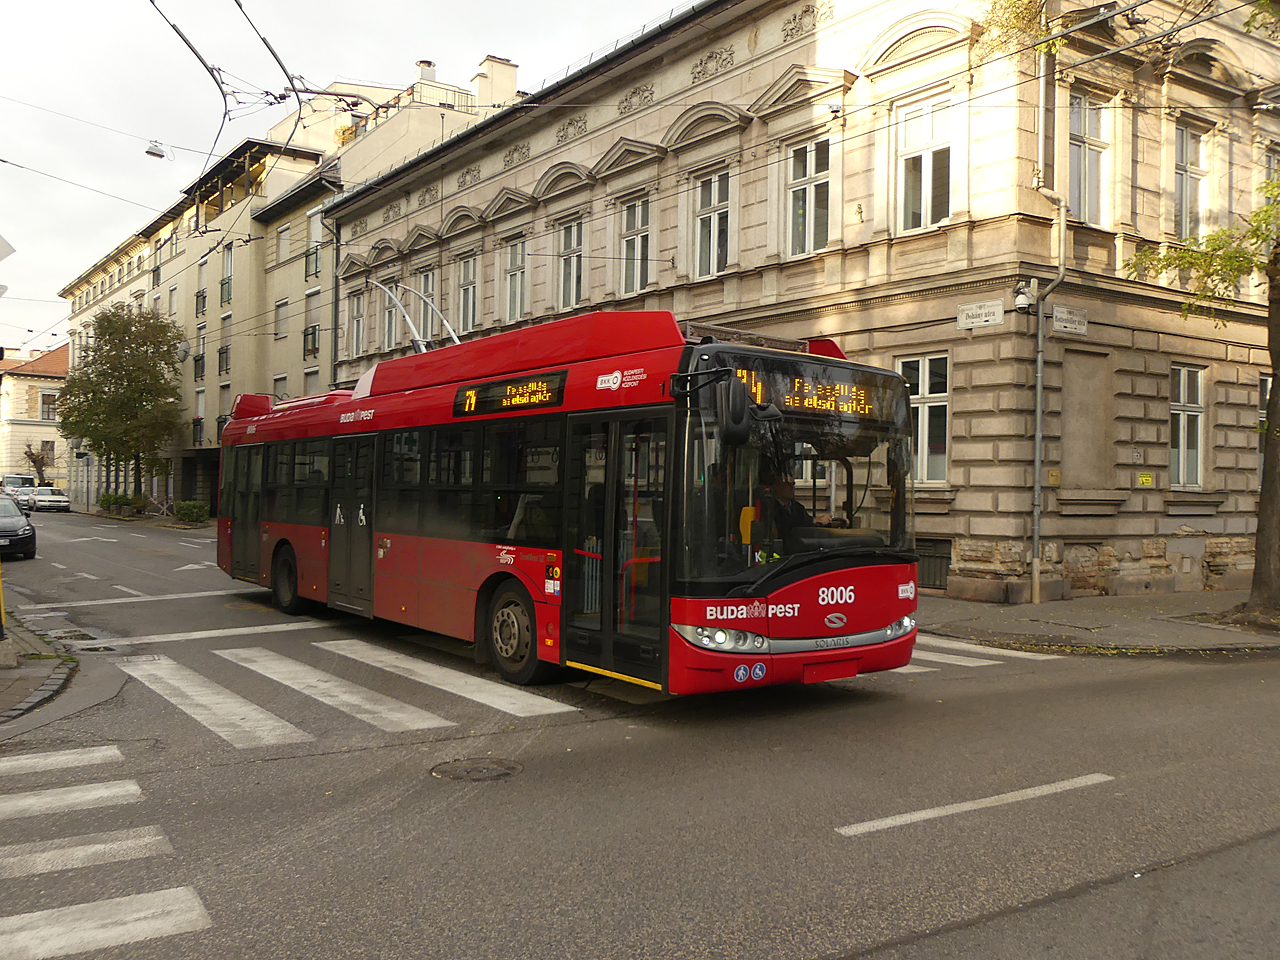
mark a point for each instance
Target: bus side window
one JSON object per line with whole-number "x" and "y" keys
{"x": 400, "y": 483}
{"x": 449, "y": 508}
{"x": 278, "y": 500}
{"x": 311, "y": 482}
{"x": 521, "y": 482}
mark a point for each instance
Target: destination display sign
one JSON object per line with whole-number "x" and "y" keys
{"x": 810, "y": 392}
{"x": 511, "y": 395}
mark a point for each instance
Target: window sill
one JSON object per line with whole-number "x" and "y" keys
{"x": 1091, "y": 503}
{"x": 933, "y": 500}
{"x": 1193, "y": 503}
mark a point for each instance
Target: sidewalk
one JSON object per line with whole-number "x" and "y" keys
{"x": 38, "y": 672}
{"x": 1155, "y": 624}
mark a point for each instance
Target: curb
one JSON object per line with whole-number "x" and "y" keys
{"x": 58, "y": 680}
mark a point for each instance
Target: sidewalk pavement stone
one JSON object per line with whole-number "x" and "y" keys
{"x": 32, "y": 679}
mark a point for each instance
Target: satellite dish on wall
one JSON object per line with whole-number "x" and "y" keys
{"x": 183, "y": 350}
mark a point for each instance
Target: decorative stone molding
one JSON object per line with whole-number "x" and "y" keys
{"x": 1091, "y": 503}
{"x": 428, "y": 194}
{"x": 712, "y": 63}
{"x": 639, "y": 97}
{"x": 359, "y": 227}
{"x": 807, "y": 19}
{"x": 517, "y": 154}
{"x": 468, "y": 177}
{"x": 391, "y": 212}
{"x": 571, "y": 128}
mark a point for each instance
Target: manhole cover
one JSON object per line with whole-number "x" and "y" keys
{"x": 477, "y": 770}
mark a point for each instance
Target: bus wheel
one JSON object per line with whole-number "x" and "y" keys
{"x": 284, "y": 582}
{"x": 513, "y": 638}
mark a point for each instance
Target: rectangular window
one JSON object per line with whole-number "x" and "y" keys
{"x": 571, "y": 264}
{"x": 713, "y": 224}
{"x": 390, "y": 323}
{"x": 173, "y": 301}
{"x": 635, "y": 245}
{"x": 310, "y": 382}
{"x": 279, "y": 386}
{"x": 1087, "y": 147}
{"x": 48, "y": 406}
{"x": 47, "y": 449}
{"x": 809, "y": 201}
{"x": 1188, "y": 180}
{"x": 513, "y": 268}
{"x": 281, "y": 326}
{"x": 1265, "y": 382}
{"x": 356, "y": 305}
{"x": 430, "y": 323}
{"x": 924, "y": 164}
{"x": 312, "y": 312}
{"x": 467, "y": 291}
{"x": 1271, "y": 173}
{"x": 1186, "y": 425}
{"x": 282, "y": 245}
{"x": 928, "y": 384}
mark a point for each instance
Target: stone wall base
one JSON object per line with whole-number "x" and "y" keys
{"x": 986, "y": 590}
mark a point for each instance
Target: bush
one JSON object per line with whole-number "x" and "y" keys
{"x": 108, "y": 500}
{"x": 191, "y": 511}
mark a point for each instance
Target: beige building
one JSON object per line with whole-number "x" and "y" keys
{"x": 29, "y": 413}
{"x": 244, "y": 263}
{"x": 857, "y": 171}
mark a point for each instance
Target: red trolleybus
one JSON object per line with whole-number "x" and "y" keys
{"x": 603, "y": 493}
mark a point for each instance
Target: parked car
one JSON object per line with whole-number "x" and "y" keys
{"x": 24, "y": 495}
{"x": 50, "y": 498}
{"x": 17, "y": 535}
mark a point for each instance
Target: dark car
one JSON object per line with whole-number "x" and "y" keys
{"x": 17, "y": 535}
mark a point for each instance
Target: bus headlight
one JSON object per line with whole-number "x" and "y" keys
{"x": 900, "y": 628}
{"x": 723, "y": 639}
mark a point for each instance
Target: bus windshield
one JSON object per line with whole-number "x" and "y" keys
{"x": 828, "y": 478}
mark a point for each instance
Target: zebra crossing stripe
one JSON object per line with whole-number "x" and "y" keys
{"x": 975, "y": 648}
{"x": 508, "y": 699}
{"x": 46, "y": 856}
{"x": 912, "y": 668}
{"x": 951, "y": 659}
{"x": 233, "y": 718}
{"x": 106, "y": 923}
{"x": 58, "y": 760}
{"x": 36, "y": 803}
{"x": 360, "y": 702}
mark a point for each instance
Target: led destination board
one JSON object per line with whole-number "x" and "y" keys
{"x": 809, "y": 393}
{"x": 511, "y": 395}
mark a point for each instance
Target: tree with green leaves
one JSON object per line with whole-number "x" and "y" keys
{"x": 1215, "y": 268}
{"x": 122, "y": 398}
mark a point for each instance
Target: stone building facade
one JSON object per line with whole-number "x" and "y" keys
{"x": 29, "y": 414}
{"x": 859, "y": 171}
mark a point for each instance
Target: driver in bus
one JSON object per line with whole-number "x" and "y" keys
{"x": 783, "y": 512}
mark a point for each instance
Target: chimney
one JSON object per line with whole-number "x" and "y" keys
{"x": 496, "y": 81}
{"x": 426, "y": 70}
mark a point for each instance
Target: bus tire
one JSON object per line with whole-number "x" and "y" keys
{"x": 513, "y": 637}
{"x": 284, "y": 582}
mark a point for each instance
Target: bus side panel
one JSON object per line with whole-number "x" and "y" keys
{"x": 310, "y": 546}
{"x": 397, "y": 587}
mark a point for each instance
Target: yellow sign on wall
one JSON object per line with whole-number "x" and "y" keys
{"x": 1146, "y": 480}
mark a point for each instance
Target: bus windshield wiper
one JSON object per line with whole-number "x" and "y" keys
{"x": 817, "y": 556}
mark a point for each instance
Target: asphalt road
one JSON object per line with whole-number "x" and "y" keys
{"x": 221, "y": 787}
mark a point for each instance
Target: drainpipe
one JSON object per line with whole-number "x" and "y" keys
{"x": 1037, "y": 491}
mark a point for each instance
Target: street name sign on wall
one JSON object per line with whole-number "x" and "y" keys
{"x": 1070, "y": 320}
{"x": 987, "y": 313}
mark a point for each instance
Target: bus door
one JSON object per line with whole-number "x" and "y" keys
{"x": 246, "y": 512}
{"x": 351, "y": 525}
{"x": 614, "y": 604}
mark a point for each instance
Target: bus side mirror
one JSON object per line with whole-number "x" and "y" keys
{"x": 732, "y": 401}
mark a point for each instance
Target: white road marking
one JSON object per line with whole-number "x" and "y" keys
{"x": 86, "y": 539}
{"x": 933, "y": 813}
{"x": 58, "y": 565}
{"x": 975, "y": 648}
{"x": 115, "y": 846}
{"x": 500, "y": 696}
{"x": 196, "y": 566}
{"x": 360, "y": 702}
{"x": 35, "y": 803}
{"x": 237, "y": 721}
{"x": 59, "y": 760}
{"x": 129, "y": 590}
{"x": 221, "y": 632}
{"x": 912, "y": 668}
{"x": 955, "y": 661}
{"x": 107, "y": 923}
{"x": 94, "y": 603}
{"x": 142, "y": 536}
{"x": 183, "y": 543}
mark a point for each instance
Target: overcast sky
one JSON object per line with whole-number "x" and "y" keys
{"x": 86, "y": 84}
